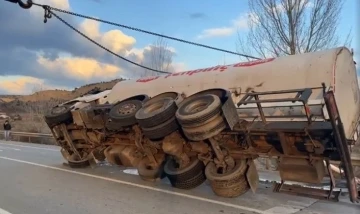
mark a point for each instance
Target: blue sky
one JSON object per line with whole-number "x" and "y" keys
{"x": 52, "y": 55}
{"x": 173, "y": 18}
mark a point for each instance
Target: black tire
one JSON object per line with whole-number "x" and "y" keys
{"x": 79, "y": 164}
{"x": 123, "y": 113}
{"x": 75, "y": 163}
{"x": 148, "y": 172}
{"x": 161, "y": 130}
{"x": 156, "y": 112}
{"x": 58, "y": 115}
{"x": 230, "y": 184}
{"x": 198, "y": 110}
{"x": 205, "y": 131}
{"x": 113, "y": 126}
{"x": 192, "y": 183}
{"x": 188, "y": 177}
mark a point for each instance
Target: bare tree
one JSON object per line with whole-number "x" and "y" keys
{"x": 288, "y": 27}
{"x": 159, "y": 57}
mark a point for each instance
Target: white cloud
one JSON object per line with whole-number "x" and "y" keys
{"x": 216, "y": 32}
{"x": 280, "y": 8}
{"x": 80, "y": 68}
{"x": 22, "y": 85}
{"x": 39, "y": 12}
{"x": 53, "y": 55}
{"x": 240, "y": 23}
{"x": 179, "y": 67}
{"x": 115, "y": 40}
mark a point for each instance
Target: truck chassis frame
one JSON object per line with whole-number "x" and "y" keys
{"x": 279, "y": 137}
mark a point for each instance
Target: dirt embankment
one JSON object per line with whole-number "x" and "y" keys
{"x": 31, "y": 108}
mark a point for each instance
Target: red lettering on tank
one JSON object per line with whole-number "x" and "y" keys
{"x": 252, "y": 63}
{"x": 220, "y": 68}
{"x": 215, "y": 68}
{"x": 223, "y": 68}
{"x": 207, "y": 69}
{"x": 193, "y": 72}
{"x": 147, "y": 79}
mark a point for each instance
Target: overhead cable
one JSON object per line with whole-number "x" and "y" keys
{"x": 48, "y": 13}
{"x": 145, "y": 31}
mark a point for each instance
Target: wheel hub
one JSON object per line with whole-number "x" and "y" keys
{"x": 127, "y": 109}
{"x": 197, "y": 106}
{"x": 154, "y": 107}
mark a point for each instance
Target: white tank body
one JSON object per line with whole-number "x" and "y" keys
{"x": 334, "y": 67}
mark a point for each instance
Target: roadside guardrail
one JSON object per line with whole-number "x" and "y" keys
{"x": 29, "y": 135}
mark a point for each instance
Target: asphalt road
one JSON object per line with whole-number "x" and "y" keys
{"x": 33, "y": 180}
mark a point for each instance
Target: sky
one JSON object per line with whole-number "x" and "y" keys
{"x": 51, "y": 55}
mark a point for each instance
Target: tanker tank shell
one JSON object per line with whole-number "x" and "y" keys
{"x": 334, "y": 67}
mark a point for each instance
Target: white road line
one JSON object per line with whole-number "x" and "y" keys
{"x": 3, "y": 147}
{"x": 4, "y": 211}
{"x": 142, "y": 186}
{"x": 32, "y": 147}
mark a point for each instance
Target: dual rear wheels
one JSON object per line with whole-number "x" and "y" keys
{"x": 201, "y": 117}
{"x": 157, "y": 118}
{"x": 230, "y": 184}
{"x": 186, "y": 177}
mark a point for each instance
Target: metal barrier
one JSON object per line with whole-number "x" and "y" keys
{"x": 28, "y": 134}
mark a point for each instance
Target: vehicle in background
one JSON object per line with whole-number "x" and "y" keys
{"x": 4, "y": 116}
{"x": 16, "y": 117}
{"x": 212, "y": 123}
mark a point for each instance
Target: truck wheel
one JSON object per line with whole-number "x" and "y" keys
{"x": 230, "y": 184}
{"x": 155, "y": 112}
{"x": 188, "y": 177}
{"x": 75, "y": 162}
{"x": 148, "y": 172}
{"x": 113, "y": 126}
{"x": 198, "y": 110}
{"x": 79, "y": 164}
{"x": 206, "y": 131}
{"x": 123, "y": 113}
{"x": 58, "y": 115}
{"x": 162, "y": 130}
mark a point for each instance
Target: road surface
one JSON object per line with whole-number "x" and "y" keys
{"x": 33, "y": 180}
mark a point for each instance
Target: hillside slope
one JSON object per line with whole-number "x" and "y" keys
{"x": 32, "y": 107}
{"x": 46, "y": 95}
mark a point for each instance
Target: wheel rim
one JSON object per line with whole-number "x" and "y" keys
{"x": 153, "y": 107}
{"x": 127, "y": 108}
{"x": 196, "y": 106}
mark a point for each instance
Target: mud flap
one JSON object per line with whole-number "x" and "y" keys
{"x": 252, "y": 175}
{"x": 229, "y": 112}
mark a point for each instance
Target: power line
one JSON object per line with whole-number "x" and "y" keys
{"x": 144, "y": 31}
{"x": 49, "y": 14}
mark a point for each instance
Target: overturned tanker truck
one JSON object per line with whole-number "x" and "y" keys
{"x": 213, "y": 123}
